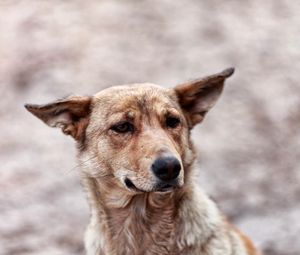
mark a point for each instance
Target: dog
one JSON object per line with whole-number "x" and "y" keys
{"x": 137, "y": 167}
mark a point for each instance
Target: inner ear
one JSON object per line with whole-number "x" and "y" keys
{"x": 197, "y": 97}
{"x": 70, "y": 114}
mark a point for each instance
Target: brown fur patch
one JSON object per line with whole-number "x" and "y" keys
{"x": 249, "y": 244}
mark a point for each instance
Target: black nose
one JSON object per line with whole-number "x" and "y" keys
{"x": 166, "y": 168}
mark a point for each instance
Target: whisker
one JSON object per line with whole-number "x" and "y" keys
{"x": 79, "y": 165}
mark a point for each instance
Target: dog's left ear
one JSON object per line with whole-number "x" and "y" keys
{"x": 70, "y": 114}
{"x": 196, "y": 98}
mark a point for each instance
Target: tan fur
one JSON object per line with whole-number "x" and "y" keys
{"x": 142, "y": 220}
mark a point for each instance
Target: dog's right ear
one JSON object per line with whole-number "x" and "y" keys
{"x": 197, "y": 97}
{"x": 70, "y": 114}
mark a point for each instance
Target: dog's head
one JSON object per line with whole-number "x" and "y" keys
{"x": 136, "y": 135}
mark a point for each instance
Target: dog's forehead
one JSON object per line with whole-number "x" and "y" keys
{"x": 134, "y": 95}
{"x": 138, "y": 89}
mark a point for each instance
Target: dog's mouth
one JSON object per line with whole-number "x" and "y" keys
{"x": 129, "y": 184}
{"x": 161, "y": 187}
{"x": 166, "y": 187}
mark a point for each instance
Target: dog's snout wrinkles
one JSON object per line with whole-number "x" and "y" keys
{"x": 166, "y": 168}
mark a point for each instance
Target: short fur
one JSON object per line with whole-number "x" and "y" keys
{"x": 130, "y": 214}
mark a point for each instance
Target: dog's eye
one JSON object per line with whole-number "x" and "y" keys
{"x": 172, "y": 122}
{"x": 123, "y": 127}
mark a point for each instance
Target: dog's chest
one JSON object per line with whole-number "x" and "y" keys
{"x": 142, "y": 230}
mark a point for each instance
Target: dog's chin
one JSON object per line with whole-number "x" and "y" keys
{"x": 158, "y": 188}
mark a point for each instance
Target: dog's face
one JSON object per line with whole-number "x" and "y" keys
{"x": 137, "y": 136}
{"x": 139, "y": 131}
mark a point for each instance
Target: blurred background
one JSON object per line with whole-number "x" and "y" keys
{"x": 248, "y": 145}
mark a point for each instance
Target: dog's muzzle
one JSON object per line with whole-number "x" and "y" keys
{"x": 166, "y": 169}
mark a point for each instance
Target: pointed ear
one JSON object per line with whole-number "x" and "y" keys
{"x": 196, "y": 98}
{"x": 70, "y": 114}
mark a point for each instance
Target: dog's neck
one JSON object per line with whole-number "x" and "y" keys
{"x": 132, "y": 224}
{"x": 129, "y": 221}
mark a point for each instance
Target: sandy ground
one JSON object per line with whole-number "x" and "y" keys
{"x": 248, "y": 146}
